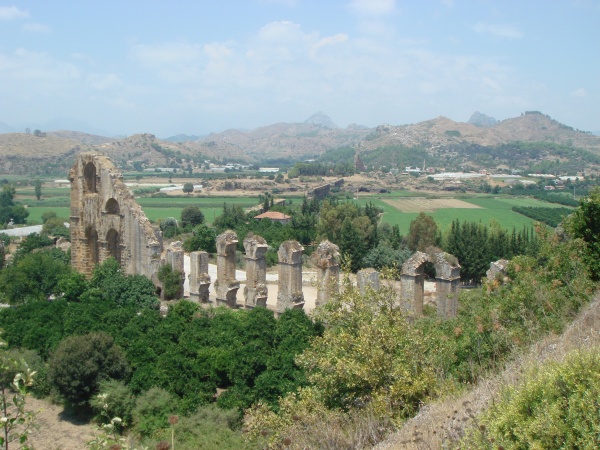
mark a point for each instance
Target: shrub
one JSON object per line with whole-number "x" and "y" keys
{"x": 191, "y": 216}
{"x": 80, "y": 363}
{"x": 113, "y": 400}
{"x": 556, "y": 406}
{"x": 209, "y": 428}
{"x": 171, "y": 282}
{"x": 152, "y": 410}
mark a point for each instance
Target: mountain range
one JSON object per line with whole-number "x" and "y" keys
{"x": 313, "y": 139}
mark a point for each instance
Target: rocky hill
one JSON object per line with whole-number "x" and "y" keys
{"x": 440, "y": 140}
{"x": 529, "y": 127}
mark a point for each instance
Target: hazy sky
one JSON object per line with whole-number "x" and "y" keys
{"x": 169, "y": 67}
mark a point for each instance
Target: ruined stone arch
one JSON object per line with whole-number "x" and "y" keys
{"x": 113, "y": 246}
{"x": 106, "y": 221}
{"x": 447, "y": 282}
{"x": 93, "y": 248}
{"x": 89, "y": 178}
{"x": 112, "y": 206}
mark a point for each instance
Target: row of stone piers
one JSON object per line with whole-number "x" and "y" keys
{"x": 289, "y": 283}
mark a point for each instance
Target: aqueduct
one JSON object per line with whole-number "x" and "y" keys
{"x": 107, "y": 222}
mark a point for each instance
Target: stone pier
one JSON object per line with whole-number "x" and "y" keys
{"x": 255, "y": 291}
{"x": 289, "y": 293}
{"x": 447, "y": 283}
{"x": 226, "y": 286}
{"x": 327, "y": 258}
{"x": 367, "y": 278}
{"x": 199, "y": 277}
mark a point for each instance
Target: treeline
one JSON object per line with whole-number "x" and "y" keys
{"x": 321, "y": 169}
{"x": 550, "y": 216}
{"x": 476, "y": 245}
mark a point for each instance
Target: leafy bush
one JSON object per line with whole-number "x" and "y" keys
{"x": 32, "y": 277}
{"x": 171, "y": 282}
{"x": 209, "y": 428}
{"x": 556, "y": 406}
{"x": 113, "y": 400}
{"x": 169, "y": 227}
{"x": 80, "y": 363}
{"x": 203, "y": 238}
{"x": 152, "y": 410}
{"x": 191, "y": 216}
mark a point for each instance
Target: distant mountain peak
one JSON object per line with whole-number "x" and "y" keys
{"x": 481, "y": 120}
{"x": 321, "y": 119}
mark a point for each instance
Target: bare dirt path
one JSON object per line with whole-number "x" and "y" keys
{"x": 57, "y": 430}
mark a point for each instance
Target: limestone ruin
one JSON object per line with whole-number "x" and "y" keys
{"x": 107, "y": 222}
{"x": 327, "y": 258}
{"x": 290, "y": 293}
{"x": 447, "y": 282}
{"x": 226, "y": 286}
{"x": 255, "y": 291}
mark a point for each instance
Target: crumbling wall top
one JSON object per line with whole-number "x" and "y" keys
{"x": 327, "y": 255}
{"x": 290, "y": 252}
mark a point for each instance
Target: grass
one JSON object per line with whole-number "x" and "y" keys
{"x": 491, "y": 208}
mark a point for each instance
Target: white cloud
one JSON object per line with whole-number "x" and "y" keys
{"x": 12, "y": 12}
{"x": 167, "y": 53}
{"x": 36, "y": 28}
{"x": 499, "y": 30}
{"x": 24, "y": 64}
{"x": 328, "y": 41}
{"x": 373, "y": 7}
{"x": 581, "y": 92}
{"x": 104, "y": 82}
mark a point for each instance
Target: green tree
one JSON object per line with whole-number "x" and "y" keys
{"x": 38, "y": 188}
{"x": 33, "y": 277}
{"x": 584, "y": 223}
{"x": 191, "y": 216}
{"x": 188, "y": 188}
{"x": 203, "y": 238}
{"x": 422, "y": 233}
{"x": 80, "y": 363}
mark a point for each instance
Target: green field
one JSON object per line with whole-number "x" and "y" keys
{"x": 491, "y": 208}
{"x": 154, "y": 208}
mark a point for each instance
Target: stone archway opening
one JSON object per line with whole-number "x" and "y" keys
{"x": 112, "y": 245}
{"x": 93, "y": 249}
{"x": 112, "y": 206}
{"x": 89, "y": 178}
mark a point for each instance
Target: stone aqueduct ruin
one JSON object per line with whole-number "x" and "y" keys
{"x": 107, "y": 222}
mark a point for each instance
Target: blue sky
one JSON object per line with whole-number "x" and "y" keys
{"x": 194, "y": 67}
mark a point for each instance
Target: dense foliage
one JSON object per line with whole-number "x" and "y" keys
{"x": 550, "y": 216}
{"x": 556, "y": 406}
{"x": 476, "y": 245}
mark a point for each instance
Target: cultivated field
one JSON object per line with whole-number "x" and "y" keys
{"x": 484, "y": 209}
{"x": 419, "y": 204}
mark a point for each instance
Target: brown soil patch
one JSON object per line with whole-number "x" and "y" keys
{"x": 56, "y": 429}
{"x": 417, "y": 204}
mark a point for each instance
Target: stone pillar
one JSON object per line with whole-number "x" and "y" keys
{"x": 174, "y": 258}
{"x": 447, "y": 284}
{"x": 367, "y": 278}
{"x": 255, "y": 291}
{"x": 226, "y": 286}
{"x": 290, "y": 276}
{"x": 327, "y": 258}
{"x": 199, "y": 277}
{"x": 412, "y": 283}
{"x": 447, "y": 296}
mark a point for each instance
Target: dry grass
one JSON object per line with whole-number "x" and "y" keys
{"x": 440, "y": 423}
{"x": 416, "y": 204}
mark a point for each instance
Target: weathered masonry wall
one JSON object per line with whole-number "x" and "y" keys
{"x": 106, "y": 221}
